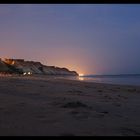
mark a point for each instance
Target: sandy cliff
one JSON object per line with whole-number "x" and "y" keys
{"x": 21, "y": 66}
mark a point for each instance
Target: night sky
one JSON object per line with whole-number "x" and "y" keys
{"x": 91, "y": 39}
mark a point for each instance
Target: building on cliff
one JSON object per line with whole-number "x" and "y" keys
{"x": 12, "y": 61}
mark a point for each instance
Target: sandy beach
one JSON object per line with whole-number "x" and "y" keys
{"x": 41, "y": 106}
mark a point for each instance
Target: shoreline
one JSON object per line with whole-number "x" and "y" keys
{"x": 40, "y": 106}
{"x": 63, "y": 77}
{"x": 66, "y": 78}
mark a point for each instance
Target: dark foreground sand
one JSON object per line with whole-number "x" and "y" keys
{"x": 33, "y": 106}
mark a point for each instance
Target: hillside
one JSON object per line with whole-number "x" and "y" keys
{"x": 20, "y": 66}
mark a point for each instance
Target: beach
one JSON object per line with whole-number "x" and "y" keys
{"x": 49, "y": 106}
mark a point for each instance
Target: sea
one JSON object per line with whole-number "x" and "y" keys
{"x": 122, "y": 79}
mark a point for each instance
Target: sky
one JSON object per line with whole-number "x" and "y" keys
{"x": 87, "y": 38}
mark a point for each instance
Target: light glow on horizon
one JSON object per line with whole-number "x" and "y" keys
{"x": 78, "y": 37}
{"x": 81, "y": 74}
{"x": 81, "y": 78}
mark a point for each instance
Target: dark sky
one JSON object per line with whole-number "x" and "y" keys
{"x": 91, "y": 39}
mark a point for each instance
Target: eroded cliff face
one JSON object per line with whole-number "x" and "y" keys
{"x": 3, "y": 66}
{"x": 21, "y": 66}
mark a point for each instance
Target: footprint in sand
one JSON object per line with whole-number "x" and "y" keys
{"x": 103, "y": 113}
{"x": 130, "y": 132}
{"x": 90, "y": 87}
{"x": 100, "y": 114}
{"x": 108, "y": 97}
{"x": 21, "y": 104}
{"x": 75, "y": 91}
{"x": 78, "y": 109}
{"x": 100, "y": 90}
{"x": 132, "y": 90}
{"x": 80, "y": 114}
{"x": 76, "y": 104}
{"x": 117, "y": 104}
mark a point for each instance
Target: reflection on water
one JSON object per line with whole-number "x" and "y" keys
{"x": 124, "y": 80}
{"x": 81, "y": 78}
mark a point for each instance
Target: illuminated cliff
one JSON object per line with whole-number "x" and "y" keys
{"x": 20, "y": 66}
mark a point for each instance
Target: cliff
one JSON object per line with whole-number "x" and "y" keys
{"x": 20, "y": 66}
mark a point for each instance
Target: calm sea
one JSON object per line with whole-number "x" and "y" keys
{"x": 132, "y": 79}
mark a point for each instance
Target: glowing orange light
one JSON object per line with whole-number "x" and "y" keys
{"x": 13, "y": 62}
{"x": 81, "y": 74}
{"x": 81, "y": 78}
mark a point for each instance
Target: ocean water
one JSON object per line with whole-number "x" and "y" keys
{"x": 129, "y": 79}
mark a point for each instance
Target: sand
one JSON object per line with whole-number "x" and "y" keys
{"x": 41, "y": 106}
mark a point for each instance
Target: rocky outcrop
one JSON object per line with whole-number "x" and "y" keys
{"x": 57, "y": 71}
{"x": 21, "y": 66}
{"x": 7, "y": 68}
{"x": 3, "y": 67}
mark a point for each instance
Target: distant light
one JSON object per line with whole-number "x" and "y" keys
{"x": 24, "y": 73}
{"x": 81, "y": 74}
{"x": 81, "y": 78}
{"x": 13, "y": 62}
{"x": 29, "y": 73}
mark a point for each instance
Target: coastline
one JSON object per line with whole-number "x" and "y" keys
{"x": 46, "y": 106}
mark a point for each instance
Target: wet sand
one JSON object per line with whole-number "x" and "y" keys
{"x": 37, "y": 106}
